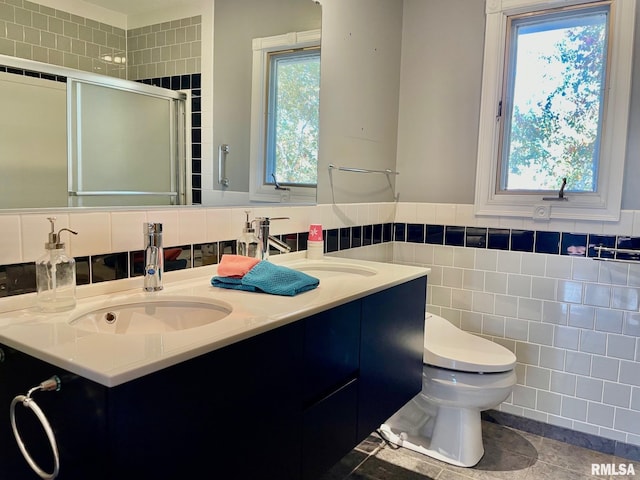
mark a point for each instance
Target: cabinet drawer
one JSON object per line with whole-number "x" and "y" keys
{"x": 329, "y": 430}
{"x": 331, "y": 350}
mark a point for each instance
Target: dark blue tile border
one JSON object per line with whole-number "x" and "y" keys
{"x": 435, "y": 234}
{"x": 345, "y": 238}
{"x": 33, "y": 74}
{"x": 17, "y": 279}
{"x": 628, "y": 243}
{"x": 415, "y": 232}
{"x": 522, "y": 240}
{"x": 387, "y": 232}
{"x": 547, "y": 242}
{"x": 367, "y": 235}
{"x": 454, "y": 236}
{"x": 377, "y": 233}
{"x": 476, "y": 237}
{"x": 356, "y": 237}
{"x": 574, "y": 244}
{"x": 498, "y": 239}
{"x": 331, "y": 239}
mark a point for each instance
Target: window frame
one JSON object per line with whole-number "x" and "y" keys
{"x": 272, "y": 101}
{"x": 262, "y": 48}
{"x": 602, "y": 205}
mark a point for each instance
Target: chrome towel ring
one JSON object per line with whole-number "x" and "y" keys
{"x": 52, "y": 384}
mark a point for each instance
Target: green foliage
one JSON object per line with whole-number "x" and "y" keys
{"x": 558, "y": 136}
{"x": 297, "y": 122}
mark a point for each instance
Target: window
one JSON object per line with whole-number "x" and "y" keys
{"x": 285, "y": 117}
{"x": 554, "y": 94}
{"x": 555, "y": 103}
{"x": 293, "y": 118}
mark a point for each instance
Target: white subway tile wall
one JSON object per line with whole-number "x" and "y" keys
{"x": 573, "y": 321}
{"x": 165, "y": 49}
{"x": 36, "y": 32}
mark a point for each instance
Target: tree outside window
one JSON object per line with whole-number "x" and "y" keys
{"x": 555, "y": 97}
{"x": 293, "y": 118}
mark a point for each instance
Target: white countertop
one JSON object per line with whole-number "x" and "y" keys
{"x": 113, "y": 359}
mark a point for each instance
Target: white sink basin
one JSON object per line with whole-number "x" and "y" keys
{"x": 325, "y": 269}
{"x": 152, "y": 315}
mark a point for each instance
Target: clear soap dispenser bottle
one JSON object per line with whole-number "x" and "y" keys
{"x": 56, "y": 275}
{"x": 248, "y": 244}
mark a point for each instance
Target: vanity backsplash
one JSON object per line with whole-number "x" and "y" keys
{"x": 109, "y": 246}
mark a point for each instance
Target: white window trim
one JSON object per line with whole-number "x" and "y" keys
{"x": 259, "y": 90}
{"x": 603, "y": 206}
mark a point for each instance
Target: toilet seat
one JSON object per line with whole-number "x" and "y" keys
{"x": 446, "y": 346}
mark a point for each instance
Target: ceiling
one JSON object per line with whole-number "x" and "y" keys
{"x": 132, "y": 7}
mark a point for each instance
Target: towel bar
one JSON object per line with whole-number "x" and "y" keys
{"x": 362, "y": 170}
{"x": 100, "y": 193}
{"x": 387, "y": 172}
{"x": 615, "y": 251}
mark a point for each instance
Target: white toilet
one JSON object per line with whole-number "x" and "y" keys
{"x": 462, "y": 375}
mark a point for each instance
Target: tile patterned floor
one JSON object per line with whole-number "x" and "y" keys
{"x": 509, "y": 454}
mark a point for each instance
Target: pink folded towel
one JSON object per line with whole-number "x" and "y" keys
{"x": 236, "y": 265}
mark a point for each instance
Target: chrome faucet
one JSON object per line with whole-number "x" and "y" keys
{"x": 267, "y": 240}
{"x": 153, "y": 257}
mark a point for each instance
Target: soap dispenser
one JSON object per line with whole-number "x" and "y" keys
{"x": 248, "y": 244}
{"x": 56, "y": 274}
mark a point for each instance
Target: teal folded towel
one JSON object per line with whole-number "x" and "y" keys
{"x": 269, "y": 278}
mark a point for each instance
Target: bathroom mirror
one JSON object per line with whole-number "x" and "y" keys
{"x": 235, "y": 24}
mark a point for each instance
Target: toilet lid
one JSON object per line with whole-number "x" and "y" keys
{"x": 447, "y": 346}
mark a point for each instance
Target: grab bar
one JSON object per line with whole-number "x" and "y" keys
{"x": 223, "y": 151}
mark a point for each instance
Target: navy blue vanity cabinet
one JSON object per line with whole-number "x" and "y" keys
{"x": 391, "y": 351}
{"x": 286, "y": 404}
{"x": 331, "y": 365}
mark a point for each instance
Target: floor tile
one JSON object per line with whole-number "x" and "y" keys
{"x": 540, "y": 470}
{"x": 497, "y": 436}
{"x": 375, "y": 468}
{"x": 346, "y": 465}
{"x": 570, "y": 457}
{"x": 497, "y": 464}
{"x": 509, "y": 454}
{"x": 415, "y": 462}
